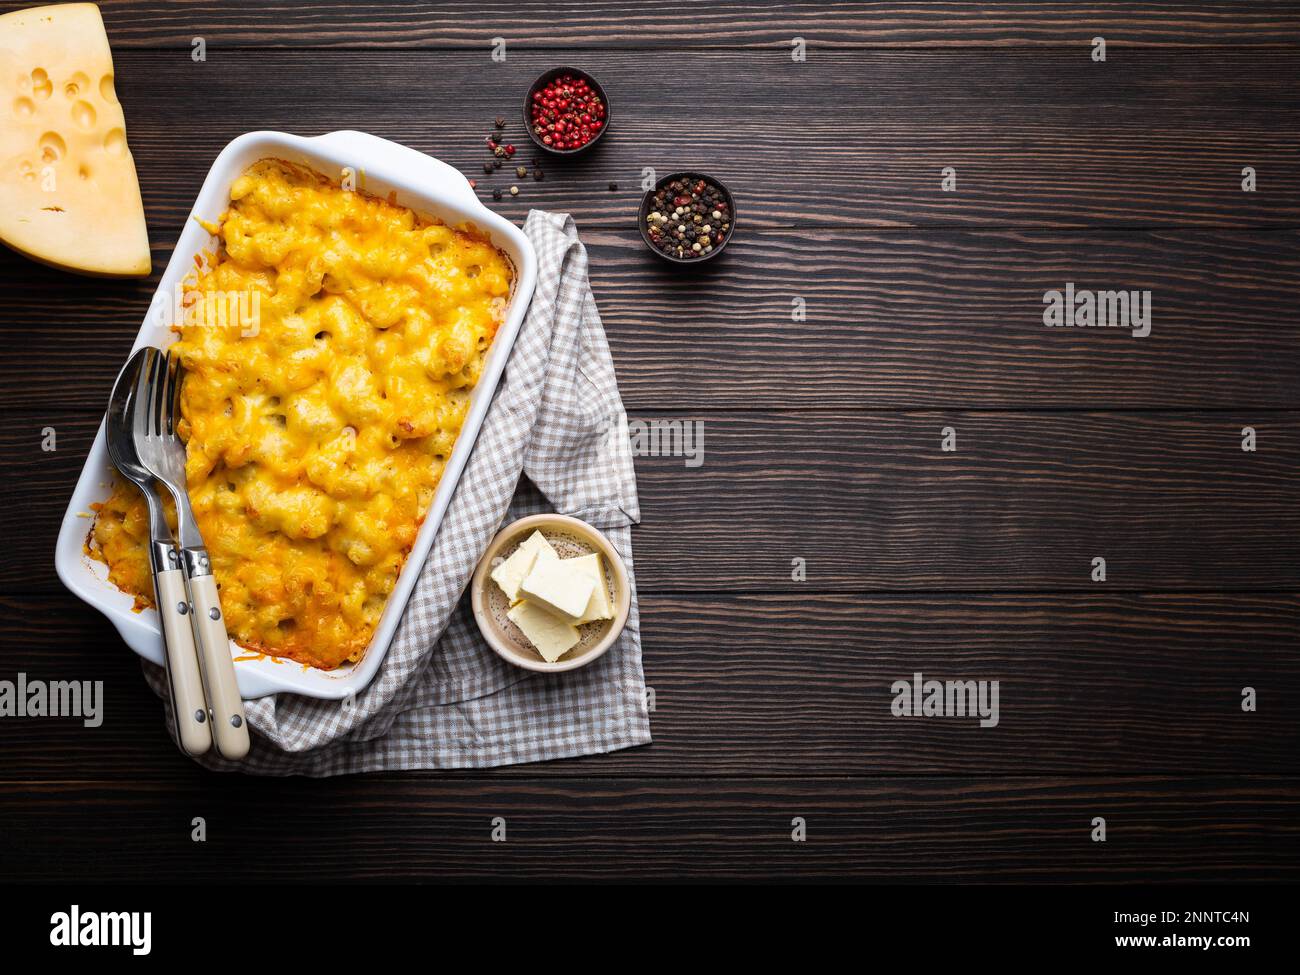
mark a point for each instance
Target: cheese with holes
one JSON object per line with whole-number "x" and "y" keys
{"x": 68, "y": 190}
{"x": 552, "y": 636}
{"x": 598, "y": 607}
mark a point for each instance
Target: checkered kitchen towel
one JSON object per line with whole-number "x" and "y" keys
{"x": 443, "y": 699}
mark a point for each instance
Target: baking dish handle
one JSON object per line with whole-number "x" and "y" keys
{"x": 435, "y": 171}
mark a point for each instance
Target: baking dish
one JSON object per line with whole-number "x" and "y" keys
{"x": 419, "y": 182}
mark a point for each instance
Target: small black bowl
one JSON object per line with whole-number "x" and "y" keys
{"x": 647, "y": 205}
{"x": 544, "y": 79}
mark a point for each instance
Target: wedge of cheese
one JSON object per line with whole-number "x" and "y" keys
{"x": 68, "y": 190}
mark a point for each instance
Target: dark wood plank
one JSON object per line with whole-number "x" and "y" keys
{"x": 682, "y": 24}
{"x": 872, "y": 502}
{"x": 946, "y": 319}
{"x": 1026, "y": 502}
{"x": 834, "y": 83}
{"x": 894, "y": 320}
{"x": 855, "y": 140}
{"x": 438, "y": 828}
{"x": 801, "y": 684}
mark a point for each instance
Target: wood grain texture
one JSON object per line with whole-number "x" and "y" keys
{"x": 377, "y": 827}
{"x": 1025, "y": 502}
{"x": 787, "y": 685}
{"x": 683, "y": 24}
{"x": 949, "y": 319}
{"x": 870, "y": 501}
{"x": 849, "y": 140}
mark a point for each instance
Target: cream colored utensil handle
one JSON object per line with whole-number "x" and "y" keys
{"x": 229, "y": 725}
{"x": 188, "y": 706}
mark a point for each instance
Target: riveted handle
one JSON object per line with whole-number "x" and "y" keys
{"x": 182, "y": 660}
{"x": 229, "y": 725}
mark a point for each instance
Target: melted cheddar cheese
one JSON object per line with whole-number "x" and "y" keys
{"x": 319, "y": 405}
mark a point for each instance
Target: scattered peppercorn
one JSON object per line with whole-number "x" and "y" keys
{"x": 487, "y": 167}
{"x": 567, "y": 113}
{"x": 514, "y": 191}
{"x": 496, "y": 194}
{"x": 688, "y": 218}
{"x": 613, "y": 186}
{"x": 501, "y": 122}
{"x": 538, "y": 175}
{"x": 521, "y": 171}
{"x": 496, "y": 163}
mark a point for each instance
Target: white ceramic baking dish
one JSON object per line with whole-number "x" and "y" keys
{"x": 428, "y": 187}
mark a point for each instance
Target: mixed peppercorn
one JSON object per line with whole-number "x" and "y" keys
{"x": 688, "y": 218}
{"x": 567, "y": 113}
{"x": 501, "y": 150}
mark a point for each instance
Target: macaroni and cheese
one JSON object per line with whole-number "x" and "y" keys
{"x": 317, "y": 429}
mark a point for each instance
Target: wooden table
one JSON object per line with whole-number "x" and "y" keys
{"x": 1119, "y": 699}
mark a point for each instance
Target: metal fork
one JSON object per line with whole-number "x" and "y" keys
{"x": 163, "y": 454}
{"x": 180, "y": 659}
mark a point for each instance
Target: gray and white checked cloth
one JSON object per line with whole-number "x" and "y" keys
{"x": 442, "y": 698}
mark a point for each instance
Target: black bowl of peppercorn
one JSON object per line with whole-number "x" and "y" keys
{"x": 687, "y": 218}
{"x": 566, "y": 111}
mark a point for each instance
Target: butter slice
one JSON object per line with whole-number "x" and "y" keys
{"x": 598, "y": 607}
{"x": 510, "y": 573}
{"x": 552, "y": 636}
{"x": 560, "y": 586}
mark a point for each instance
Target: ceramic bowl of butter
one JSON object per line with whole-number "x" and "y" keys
{"x": 550, "y": 594}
